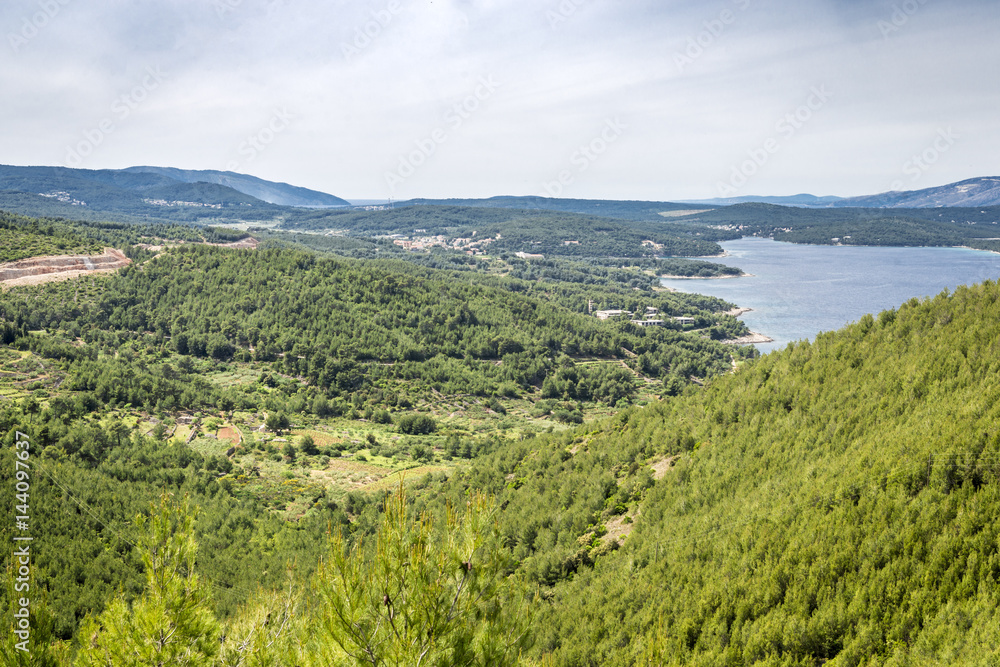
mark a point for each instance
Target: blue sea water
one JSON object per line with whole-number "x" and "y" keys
{"x": 797, "y": 291}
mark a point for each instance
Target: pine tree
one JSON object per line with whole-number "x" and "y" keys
{"x": 171, "y": 624}
{"x": 421, "y": 596}
{"x": 40, "y": 647}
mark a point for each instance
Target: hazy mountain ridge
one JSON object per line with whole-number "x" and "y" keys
{"x": 129, "y": 185}
{"x": 801, "y": 200}
{"x": 281, "y": 194}
{"x": 611, "y": 208}
{"x": 982, "y": 191}
{"x": 971, "y": 192}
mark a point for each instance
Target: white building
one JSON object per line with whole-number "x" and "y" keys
{"x": 607, "y": 314}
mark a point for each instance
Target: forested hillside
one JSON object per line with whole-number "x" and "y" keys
{"x": 514, "y": 230}
{"x": 328, "y": 376}
{"x": 622, "y": 210}
{"x": 975, "y": 227}
{"x": 834, "y": 500}
{"x": 342, "y": 325}
{"x": 15, "y": 244}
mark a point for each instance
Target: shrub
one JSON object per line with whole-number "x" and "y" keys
{"x": 417, "y": 425}
{"x": 308, "y": 446}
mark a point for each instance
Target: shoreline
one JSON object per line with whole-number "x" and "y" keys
{"x": 725, "y": 277}
{"x": 724, "y": 253}
{"x": 753, "y": 339}
{"x": 966, "y": 247}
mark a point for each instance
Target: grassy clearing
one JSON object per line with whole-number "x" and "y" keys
{"x": 354, "y": 454}
{"x": 210, "y": 446}
{"x": 408, "y": 476}
{"x": 234, "y": 375}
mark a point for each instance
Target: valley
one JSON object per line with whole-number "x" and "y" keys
{"x": 499, "y": 334}
{"x": 656, "y": 493}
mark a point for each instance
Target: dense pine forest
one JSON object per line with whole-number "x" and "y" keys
{"x": 832, "y": 501}
{"x": 972, "y": 227}
{"x": 335, "y": 372}
{"x": 289, "y": 456}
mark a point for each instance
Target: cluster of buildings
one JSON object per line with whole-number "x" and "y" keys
{"x": 650, "y": 319}
{"x": 164, "y": 202}
{"x": 64, "y": 197}
{"x": 471, "y": 246}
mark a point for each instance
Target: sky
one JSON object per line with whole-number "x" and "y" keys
{"x": 598, "y": 99}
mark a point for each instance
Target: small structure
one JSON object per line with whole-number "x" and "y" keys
{"x": 608, "y": 314}
{"x": 684, "y": 321}
{"x": 648, "y": 323}
{"x": 528, "y": 255}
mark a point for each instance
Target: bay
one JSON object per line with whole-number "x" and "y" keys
{"x": 797, "y": 291}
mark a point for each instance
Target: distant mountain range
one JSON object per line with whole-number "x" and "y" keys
{"x": 610, "y": 208}
{"x": 110, "y": 188}
{"x": 801, "y": 201}
{"x": 281, "y": 194}
{"x": 983, "y": 191}
{"x": 972, "y": 192}
{"x": 221, "y": 197}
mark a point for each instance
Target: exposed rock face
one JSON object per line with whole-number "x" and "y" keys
{"x": 61, "y": 266}
{"x": 249, "y": 243}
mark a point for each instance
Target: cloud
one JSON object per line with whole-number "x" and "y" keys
{"x": 699, "y": 84}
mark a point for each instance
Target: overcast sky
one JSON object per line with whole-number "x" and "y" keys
{"x": 624, "y": 99}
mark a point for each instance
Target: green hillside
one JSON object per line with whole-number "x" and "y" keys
{"x": 837, "y": 500}
{"x": 831, "y": 503}
{"x": 330, "y": 377}
{"x": 514, "y": 230}
{"x": 16, "y": 244}
{"x": 857, "y": 226}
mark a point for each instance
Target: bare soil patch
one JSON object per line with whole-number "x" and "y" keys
{"x": 38, "y": 270}
{"x": 231, "y": 434}
{"x": 661, "y": 467}
{"x": 618, "y": 529}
